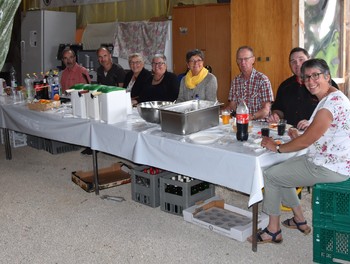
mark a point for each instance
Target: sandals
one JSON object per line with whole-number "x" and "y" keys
{"x": 273, "y": 236}
{"x": 296, "y": 225}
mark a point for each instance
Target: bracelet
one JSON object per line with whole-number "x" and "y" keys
{"x": 253, "y": 115}
{"x": 278, "y": 149}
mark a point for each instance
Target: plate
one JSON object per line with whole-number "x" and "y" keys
{"x": 203, "y": 138}
{"x": 273, "y": 126}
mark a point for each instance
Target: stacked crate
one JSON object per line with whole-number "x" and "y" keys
{"x": 331, "y": 222}
{"x": 145, "y": 185}
{"x": 52, "y": 146}
{"x": 178, "y": 192}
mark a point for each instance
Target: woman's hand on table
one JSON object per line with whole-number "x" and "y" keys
{"x": 269, "y": 143}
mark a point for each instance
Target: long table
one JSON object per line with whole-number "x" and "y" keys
{"x": 226, "y": 162}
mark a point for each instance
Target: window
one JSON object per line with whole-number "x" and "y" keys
{"x": 324, "y": 32}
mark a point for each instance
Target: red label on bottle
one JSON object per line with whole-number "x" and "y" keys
{"x": 242, "y": 118}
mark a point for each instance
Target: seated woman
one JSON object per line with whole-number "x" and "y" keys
{"x": 136, "y": 78}
{"x": 163, "y": 86}
{"x": 326, "y": 160}
{"x": 198, "y": 82}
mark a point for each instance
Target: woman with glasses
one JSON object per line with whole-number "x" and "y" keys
{"x": 198, "y": 83}
{"x": 163, "y": 85}
{"x": 137, "y": 77}
{"x": 327, "y": 156}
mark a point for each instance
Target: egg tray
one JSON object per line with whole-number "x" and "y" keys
{"x": 213, "y": 214}
{"x": 222, "y": 218}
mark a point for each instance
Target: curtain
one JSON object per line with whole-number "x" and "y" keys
{"x": 141, "y": 36}
{"x": 7, "y": 13}
{"x": 122, "y": 11}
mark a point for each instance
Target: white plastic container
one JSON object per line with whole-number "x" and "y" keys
{"x": 92, "y": 103}
{"x": 79, "y": 103}
{"x": 113, "y": 105}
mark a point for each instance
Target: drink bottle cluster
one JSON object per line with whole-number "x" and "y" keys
{"x": 42, "y": 86}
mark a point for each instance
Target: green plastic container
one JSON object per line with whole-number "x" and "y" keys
{"x": 331, "y": 243}
{"x": 331, "y": 203}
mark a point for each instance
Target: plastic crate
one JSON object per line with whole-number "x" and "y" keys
{"x": 145, "y": 185}
{"x": 17, "y": 139}
{"x": 35, "y": 142}
{"x": 176, "y": 196}
{"x": 57, "y": 147}
{"x": 331, "y": 244}
{"x": 331, "y": 203}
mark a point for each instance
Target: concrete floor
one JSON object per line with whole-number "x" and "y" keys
{"x": 46, "y": 218}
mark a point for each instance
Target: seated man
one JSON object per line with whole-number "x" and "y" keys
{"x": 251, "y": 86}
{"x": 73, "y": 73}
{"x": 109, "y": 73}
{"x": 293, "y": 101}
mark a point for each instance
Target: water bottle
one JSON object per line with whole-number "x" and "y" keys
{"x": 29, "y": 84}
{"x": 242, "y": 121}
{"x": 13, "y": 81}
{"x": 13, "y": 78}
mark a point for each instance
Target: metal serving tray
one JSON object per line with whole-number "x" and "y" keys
{"x": 189, "y": 117}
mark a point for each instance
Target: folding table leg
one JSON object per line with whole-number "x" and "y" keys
{"x": 94, "y": 160}
{"x": 7, "y": 144}
{"x": 255, "y": 227}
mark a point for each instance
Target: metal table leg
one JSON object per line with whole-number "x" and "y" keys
{"x": 255, "y": 227}
{"x": 94, "y": 160}
{"x": 7, "y": 144}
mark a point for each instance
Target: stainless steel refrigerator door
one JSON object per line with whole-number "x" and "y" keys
{"x": 42, "y": 32}
{"x": 32, "y": 43}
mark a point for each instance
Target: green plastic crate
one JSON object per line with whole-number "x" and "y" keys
{"x": 331, "y": 244}
{"x": 331, "y": 203}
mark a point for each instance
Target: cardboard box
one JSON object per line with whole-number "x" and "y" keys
{"x": 224, "y": 219}
{"x": 44, "y": 105}
{"x": 117, "y": 174}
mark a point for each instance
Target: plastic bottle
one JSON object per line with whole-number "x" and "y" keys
{"x": 242, "y": 121}
{"x": 29, "y": 84}
{"x": 13, "y": 78}
{"x": 13, "y": 81}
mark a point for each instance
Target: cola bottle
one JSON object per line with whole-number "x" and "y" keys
{"x": 242, "y": 121}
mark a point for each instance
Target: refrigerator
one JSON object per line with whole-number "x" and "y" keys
{"x": 41, "y": 33}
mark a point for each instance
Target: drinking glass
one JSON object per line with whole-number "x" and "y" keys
{"x": 225, "y": 115}
{"x": 281, "y": 127}
{"x": 265, "y": 130}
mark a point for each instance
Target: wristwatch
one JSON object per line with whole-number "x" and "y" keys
{"x": 278, "y": 149}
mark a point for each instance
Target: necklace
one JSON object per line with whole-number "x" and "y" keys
{"x": 155, "y": 80}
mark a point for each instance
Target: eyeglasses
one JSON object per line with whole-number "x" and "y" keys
{"x": 135, "y": 62}
{"x": 195, "y": 61}
{"x": 315, "y": 76}
{"x": 240, "y": 60}
{"x": 159, "y": 64}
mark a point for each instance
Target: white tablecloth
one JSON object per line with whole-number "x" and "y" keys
{"x": 226, "y": 162}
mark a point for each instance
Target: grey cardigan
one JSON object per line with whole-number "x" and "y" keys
{"x": 205, "y": 90}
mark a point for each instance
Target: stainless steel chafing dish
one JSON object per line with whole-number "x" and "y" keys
{"x": 189, "y": 117}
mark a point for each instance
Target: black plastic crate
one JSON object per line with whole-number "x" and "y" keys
{"x": 145, "y": 185}
{"x": 57, "y": 147}
{"x": 35, "y": 142}
{"x": 176, "y": 194}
